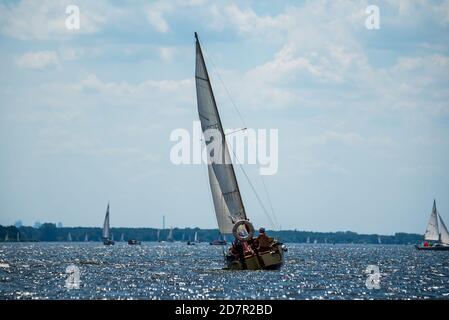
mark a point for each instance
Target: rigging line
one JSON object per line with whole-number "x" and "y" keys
{"x": 224, "y": 86}
{"x": 254, "y": 190}
{"x": 270, "y": 203}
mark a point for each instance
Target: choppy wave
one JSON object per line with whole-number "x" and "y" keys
{"x": 178, "y": 271}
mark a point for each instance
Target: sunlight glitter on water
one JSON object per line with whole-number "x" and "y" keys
{"x": 178, "y": 271}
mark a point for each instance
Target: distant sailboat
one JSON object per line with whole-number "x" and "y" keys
{"x": 315, "y": 241}
{"x": 106, "y": 230}
{"x": 86, "y": 238}
{"x": 158, "y": 235}
{"x": 18, "y": 236}
{"x": 379, "y": 240}
{"x": 308, "y": 240}
{"x": 228, "y": 204}
{"x": 69, "y": 237}
{"x": 221, "y": 241}
{"x": 6, "y": 237}
{"x": 122, "y": 238}
{"x": 170, "y": 235}
{"x": 195, "y": 238}
{"x": 433, "y": 239}
{"x": 190, "y": 242}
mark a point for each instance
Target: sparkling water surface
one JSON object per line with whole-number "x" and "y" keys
{"x": 179, "y": 271}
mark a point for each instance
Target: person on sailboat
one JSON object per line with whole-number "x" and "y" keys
{"x": 263, "y": 242}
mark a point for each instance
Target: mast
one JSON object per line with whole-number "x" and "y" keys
{"x": 226, "y": 194}
{"x": 432, "y": 232}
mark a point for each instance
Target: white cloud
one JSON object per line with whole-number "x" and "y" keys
{"x": 155, "y": 16}
{"x": 38, "y": 60}
{"x": 45, "y": 19}
{"x": 167, "y": 53}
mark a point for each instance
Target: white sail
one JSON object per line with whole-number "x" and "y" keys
{"x": 6, "y": 237}
{"x": 196, "y": 237}
{"x": 170, "y": 235}
{"x": 86, "y": 238}
{"x": 18, "y": 236}
{"x": 122, "y": 237}
{"x": 158, "y": 234}
{"x": 106, "y": 224}
{"x": 444, "y": 236}
{"x": 432, "y": 232}
{"x": 69, "y": 237}
{"x": 225, "y": 191}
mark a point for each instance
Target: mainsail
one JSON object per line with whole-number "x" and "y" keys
{"x": 69, "y": 237}
{"x": 444, "y": 236}
{"x": 170, "y": 235}
{"x": 225, "y": 191}
{"x": 106, "y": 224}
{"x": 432, "y": 232}
{"x": 196, "y": 237}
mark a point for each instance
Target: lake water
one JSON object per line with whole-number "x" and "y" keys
{"x": 178, "y": 271}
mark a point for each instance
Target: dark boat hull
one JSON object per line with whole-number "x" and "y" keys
{"x": 108, "y": 242}
{"x": 433, "y": 248}
{"x": 134, "y": 242}
{"x": 268, "y": 260}
{"x": 218, "y": 243}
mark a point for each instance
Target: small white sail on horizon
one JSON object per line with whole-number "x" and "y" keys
{"x": 158, "y": 235}
{"x": 18, "y": 236}
{"x": 69, "y": 237}
{"x": 122, "y": 237}
{"x": 444, "y": 235}
{"x": 6, "y": 237}
{"x": 170, "y": 235}
{"x": 195, "y": 239}
{"x": 86, "y": 238}
{"x": 106, "y": 232}
{"x": 432, "y": 232}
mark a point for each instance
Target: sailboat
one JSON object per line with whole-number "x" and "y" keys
{"x": 433, "y": 239}
{"x": 69, "y": 237}
{"x": 221, "y": 241}
{"x": 86, "y": 238}
{"x": 6, "y": 237}
{"x": 228, "y": 203}
{"x": 122, "y": 238}
{"x": 190, "y": 242}
{"x": 158, "y": 235}
{"x": 170, "y": 235}
{"x": 106, "y": 232}
{"x": 18, "y": 236}
{"x": 195, "y": 238}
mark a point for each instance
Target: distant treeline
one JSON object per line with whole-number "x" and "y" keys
{"x": 50, "y": 232}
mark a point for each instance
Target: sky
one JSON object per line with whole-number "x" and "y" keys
{"x": 362, "y": 114}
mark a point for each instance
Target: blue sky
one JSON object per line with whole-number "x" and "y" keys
{"x": 85, "y": 116}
